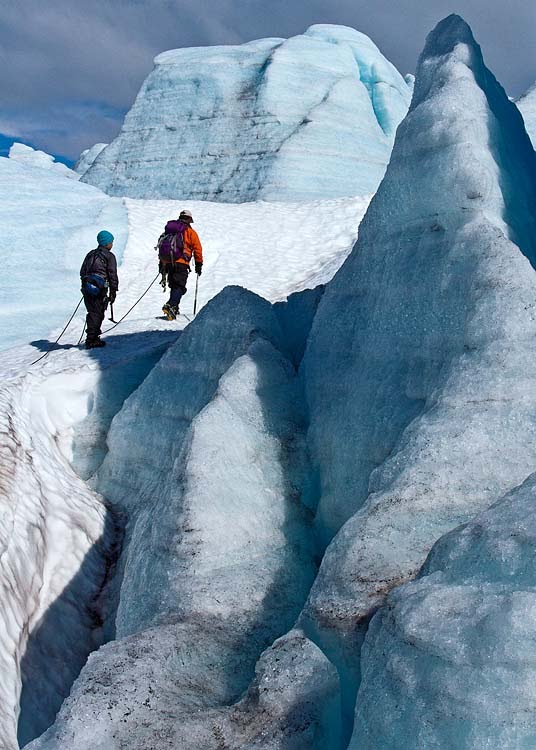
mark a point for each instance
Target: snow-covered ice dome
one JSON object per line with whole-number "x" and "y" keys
{"x": 309, "y": 117}
{"x": 31, "y": 157}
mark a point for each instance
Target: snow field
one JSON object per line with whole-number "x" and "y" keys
{"x": 273, "y": 249}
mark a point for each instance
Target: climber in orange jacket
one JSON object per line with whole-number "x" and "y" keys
{"x": 176, "y": 246}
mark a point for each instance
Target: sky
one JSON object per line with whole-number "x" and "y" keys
{"x": 70, "y": 69}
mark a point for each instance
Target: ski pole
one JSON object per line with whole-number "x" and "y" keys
{"x": 196, "y": 287}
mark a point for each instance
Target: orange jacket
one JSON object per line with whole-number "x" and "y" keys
{"x": 192, "y": 246}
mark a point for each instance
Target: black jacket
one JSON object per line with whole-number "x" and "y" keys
{"x": 102, "y": 262}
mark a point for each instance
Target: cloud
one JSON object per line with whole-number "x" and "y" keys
{"x": 70, "y": 68}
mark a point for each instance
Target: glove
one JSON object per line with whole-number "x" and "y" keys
{"x": 198, "y": 268}
{"x": 163, "y": 281}
{"x": 113, "y": 295}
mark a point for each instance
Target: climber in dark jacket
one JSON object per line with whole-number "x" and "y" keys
{"x": 98, "y": 275}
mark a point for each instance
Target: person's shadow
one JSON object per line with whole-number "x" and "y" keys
{"x": 44, "y": 345}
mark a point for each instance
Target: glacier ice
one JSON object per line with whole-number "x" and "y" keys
{"x": 448, "y": 661}
{"x": 207, "y": 461}
{"x": 49, "y": 223}
{"x": 57, "y": 537}
{"x": 87, "y": 158}
{"x": 421, "y": 403}
{"x": 527, "y": 107}
{"x": 433, "y": 314}
{"x": 313, "y": 116}
{"x": 54, "y": 534}
{"x": 27, "y": 155}
{"x": 130, "y": 694}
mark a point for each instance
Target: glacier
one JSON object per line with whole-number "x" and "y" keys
{"x": 71, "y": 398}
{"x": 218, "y": 540}
{"x": 309, "y": 117}
{"x": 258, "y": 515}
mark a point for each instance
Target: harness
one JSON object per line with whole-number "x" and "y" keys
{"x": 93, "y": 283}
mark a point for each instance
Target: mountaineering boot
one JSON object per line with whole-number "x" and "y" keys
{"x": 170, "y": 312}
{"x": 95, "y": 343}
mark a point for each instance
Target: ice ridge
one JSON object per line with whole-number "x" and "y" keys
{"x": 433, "y": 318}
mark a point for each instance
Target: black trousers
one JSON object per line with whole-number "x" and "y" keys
{"x": 96, "y": 308}
{"x": 177, "y": 276}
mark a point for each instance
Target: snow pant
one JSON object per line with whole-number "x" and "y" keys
{"x": 96, "y": 308}
{"x": 177, "y": 276}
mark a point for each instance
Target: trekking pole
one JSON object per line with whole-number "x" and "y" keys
{"x": 82, "y": 334}
{"x": 59, "y": 337}
{"x": 196, "y": 287}
{"x": 112, "y": 309}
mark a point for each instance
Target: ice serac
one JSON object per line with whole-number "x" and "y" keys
{"x": 428, "y": 415}
{"x": 40, "y": 160}
{"x": 527, "y": 107}
{"x": 309, "y": 117}
{"x": 449, "y": 659}
{"x": 207, "y": 461}
{"x": 87, "y": 158}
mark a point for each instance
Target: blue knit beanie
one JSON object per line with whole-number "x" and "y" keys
{"x": 104, "y": 237}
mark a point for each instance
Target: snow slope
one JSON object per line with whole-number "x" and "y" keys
{"x": 309, "y": 117}
{"x": 49, "y": 223}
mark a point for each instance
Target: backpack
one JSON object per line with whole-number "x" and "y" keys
{"x": 170, "y": 245}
